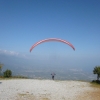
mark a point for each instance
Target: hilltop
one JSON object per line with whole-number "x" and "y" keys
{"x": 34, "y": 89}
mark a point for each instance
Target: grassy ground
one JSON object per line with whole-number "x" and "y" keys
{"x": 13, "y": 77}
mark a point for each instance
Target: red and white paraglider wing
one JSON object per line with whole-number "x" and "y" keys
{"x": 52, "y": 39}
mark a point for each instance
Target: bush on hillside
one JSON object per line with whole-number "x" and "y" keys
{"x": 7, "y": 73}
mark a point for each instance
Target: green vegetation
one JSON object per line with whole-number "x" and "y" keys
{"x": 1, "y": 65}
{"x": 97, "y": 71}
{"x": 7, "y": 73}
{"x": 95, "y": 83}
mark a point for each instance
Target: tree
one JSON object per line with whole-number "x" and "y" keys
{"x": 8, "y": 73}
{"x": 97, "y": 71}
{"x": 1, "y": 65}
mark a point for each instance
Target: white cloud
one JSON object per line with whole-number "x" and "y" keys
{"x": 9, "y": 52}
{"x": 12, "y": 53}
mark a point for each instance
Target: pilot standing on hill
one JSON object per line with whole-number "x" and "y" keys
{"x": 53, "y": 75}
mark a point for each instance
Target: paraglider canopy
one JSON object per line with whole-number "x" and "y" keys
{"x": 52, "y": 39}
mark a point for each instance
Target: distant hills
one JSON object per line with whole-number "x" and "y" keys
{"x": 34, "y": 68}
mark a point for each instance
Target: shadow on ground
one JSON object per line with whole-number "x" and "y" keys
{"x": 0, "y": 82}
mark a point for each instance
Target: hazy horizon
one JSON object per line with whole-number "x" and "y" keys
{"x": 23, "y": 23}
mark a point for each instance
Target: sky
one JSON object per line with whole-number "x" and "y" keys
{"x": 25, "y": 22}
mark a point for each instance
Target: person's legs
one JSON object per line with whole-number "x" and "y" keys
{"x": 53, "y": 77}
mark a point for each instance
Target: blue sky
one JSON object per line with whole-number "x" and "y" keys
{"x": 24, "y": 22}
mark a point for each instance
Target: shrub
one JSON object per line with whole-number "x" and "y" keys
{"x": 7, "y": 73}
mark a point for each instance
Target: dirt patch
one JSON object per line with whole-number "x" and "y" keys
{"x": 29, "y": 97}
{"x": 90, "y": 95}
{"x": 25, "y": 97}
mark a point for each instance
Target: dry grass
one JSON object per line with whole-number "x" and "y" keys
{"x": 91, "y": 95}
{"x": 95, "y": 85}
{"x": 44, "y": 99}
{"x": 29, "y": 97}
{"x": 25, "y": 97}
